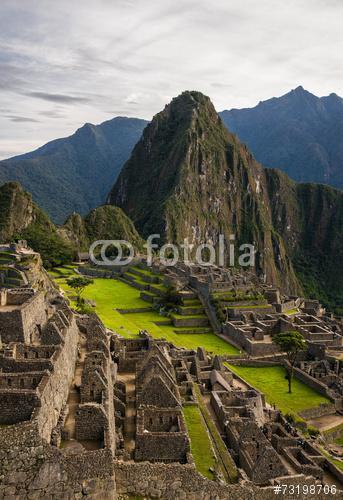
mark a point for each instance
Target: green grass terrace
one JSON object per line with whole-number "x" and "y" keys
{"x": 271, "y": 381}
{"x": 201, "y": 446}
{"x": 111, "y": 295}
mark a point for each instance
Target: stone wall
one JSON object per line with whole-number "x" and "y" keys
{"x": 33, "y": 314}
{"x": 161, "y": 436}
{"x": 318, "y": 411}
{"x": 253, "y": 348}
{"x": 19, "y": 296}
{"x": 90, "y": 422}
{"x": 313, "y": 383}
{"x": 32, "y": 469}
{"x": 183, "y": 482}
{"x": 11, "y": 327}
{"x": 17, "y": 406}
{"x": 56, "y": 391}
{"x": 12, "y": 365}
{"x": 20, "y": 323}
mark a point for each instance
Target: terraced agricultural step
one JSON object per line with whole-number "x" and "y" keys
{"x": 157, "y": 291}
{"x": 144, "y": 276}
{"x": 188, "y": 321}
{"x": 165, "y": 322}
{"x": 260, "y": 309}
{"x": 188, "y": 294}
{"x": 242, "y": 303}
{"x": 132, "y": 283}
{"x": 190, "y": 302}
{"x": 135, "y": 310}
{"x": 192, "y": 331}
{"x": 191, "y": 311}
{"x": 8, "y": 285}
{"x": 5, "y": 261}
{"x": 149, "y": 297}
{"x": 130, "y": 280}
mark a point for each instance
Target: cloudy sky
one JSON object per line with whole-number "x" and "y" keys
{"x": 67, "y": 62}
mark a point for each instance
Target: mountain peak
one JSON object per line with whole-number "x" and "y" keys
{"x": 300, "y": 93}
{"x": 188, "y": 101}
{"x": 299, "y": 89}
{"x": 191, "y": 95}
{"x": 176, "y": 143}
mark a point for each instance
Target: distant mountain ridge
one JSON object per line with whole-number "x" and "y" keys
{"x": 299, "y": 133}
{"x": 74, "y": 173}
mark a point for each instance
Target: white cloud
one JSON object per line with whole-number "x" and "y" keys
{"x": 65, "y": 63}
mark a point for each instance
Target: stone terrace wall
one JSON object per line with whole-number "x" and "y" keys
{"x": 183, "y": 482}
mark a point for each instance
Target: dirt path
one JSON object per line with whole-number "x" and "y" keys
{"x": 74, "y": 398}
{"x": 129, "y": 380}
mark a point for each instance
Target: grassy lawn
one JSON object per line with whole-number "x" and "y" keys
{"x": 110, "y": 294}
{"x": 201, "y": 445}
{"x": 226, "y": 463}
{"x": 208, "y": 341}
{"x": 271, "y": 381}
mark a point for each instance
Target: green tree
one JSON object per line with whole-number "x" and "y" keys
{"x": 79, "y": 284}
{"x": 291, "y": 342}
{"x": 53, "y": 250}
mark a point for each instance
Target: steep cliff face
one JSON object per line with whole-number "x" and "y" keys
{"x": 23, "y": 219}
{"x": 189, "y": 177}
{"x": 309, "y": 218}
{"x": 17, "y": 211}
